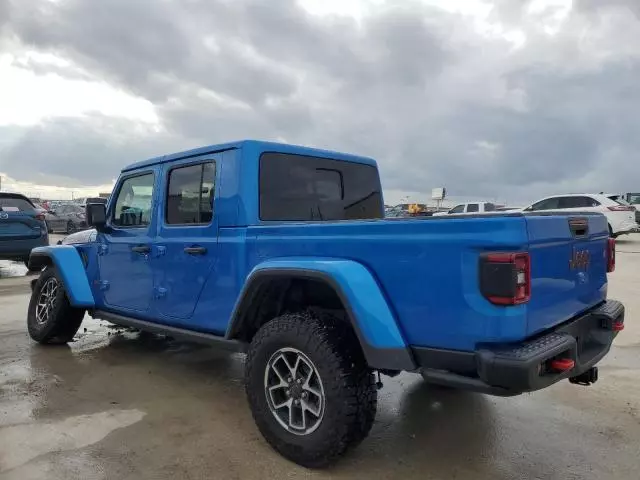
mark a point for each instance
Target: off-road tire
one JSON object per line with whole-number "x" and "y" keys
{"x": 62, "y": 322}
{"x": 350, "y": 394}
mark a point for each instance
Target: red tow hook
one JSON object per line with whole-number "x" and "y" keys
{"x": 617, "y": 326}
{"x": 561, "y": 364}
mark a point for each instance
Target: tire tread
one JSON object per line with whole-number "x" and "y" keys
{"x": 346, "y": 378}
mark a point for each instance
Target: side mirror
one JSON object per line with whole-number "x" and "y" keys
{"x": 96, "y": 214}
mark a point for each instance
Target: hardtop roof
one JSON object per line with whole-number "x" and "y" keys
{"x": 259, "y": 145}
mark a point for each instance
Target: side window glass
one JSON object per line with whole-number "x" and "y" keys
{"x": 590, "y": 202}
{"x": 134, "y": 201}
{"x": 565, "y": 202}
{"x": 305, "y": 188}
{"x": 577, "y": 202}
{"x": 548, "y": 204}
{"x": 489, "y": 207}
{"x": 457, "y": 209}
{"x": 473, "y": 207}
{"x": 190, "y": 195}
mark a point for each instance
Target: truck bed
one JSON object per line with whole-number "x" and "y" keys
{"x": 429, "y": 269}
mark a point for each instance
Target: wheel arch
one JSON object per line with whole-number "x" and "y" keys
{"x": 70, "y": 267}
{"x": 359, "y": 295}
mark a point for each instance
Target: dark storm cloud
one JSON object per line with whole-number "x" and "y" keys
{"x": 80, "y": 151}
{"x": 411, "y": 85}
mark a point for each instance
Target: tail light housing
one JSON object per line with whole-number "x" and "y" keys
{"x": 505, "y": 278}
{"x": 40, "y": 216}
{"x": 622, "y": 208}
{"x": 611, "y": 255}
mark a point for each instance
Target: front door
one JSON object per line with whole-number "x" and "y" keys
{"x": 186, "y": 249}
{"x": 124, "y": 251}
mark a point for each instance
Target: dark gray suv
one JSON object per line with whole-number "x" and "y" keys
{"x": 22, "y": 227}
{"x": 66, "y": 218}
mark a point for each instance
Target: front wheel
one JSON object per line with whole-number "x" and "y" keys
{"x": 311, "y": 392}
{"x": 51, "y": 319}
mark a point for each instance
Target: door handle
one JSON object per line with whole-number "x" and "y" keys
{"x": 141, "y": 249}
{"x": 195, "y": 250}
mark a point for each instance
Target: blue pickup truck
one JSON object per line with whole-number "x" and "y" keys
{"x": 282, "y": 252}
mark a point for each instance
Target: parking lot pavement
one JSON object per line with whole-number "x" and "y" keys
{"x": 116, "y": 404}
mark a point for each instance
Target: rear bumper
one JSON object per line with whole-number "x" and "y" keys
{"x": 19, "y": 249}
{"x": 627, "y": 227}
{"x": 524, "y": 367}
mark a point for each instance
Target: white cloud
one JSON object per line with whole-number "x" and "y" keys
{"x": 26, "y": 98}
{"x": 502, "y": 97}
{"x": 51, "y": 192}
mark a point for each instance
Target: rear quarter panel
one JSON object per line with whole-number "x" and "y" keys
{"x": 426, "y": 268}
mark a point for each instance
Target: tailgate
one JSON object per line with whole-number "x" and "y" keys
{"x": 568, "y": 267}
{"x": 18, "y": 225}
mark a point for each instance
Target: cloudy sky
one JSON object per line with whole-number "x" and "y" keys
{"x": 504, "y": 99}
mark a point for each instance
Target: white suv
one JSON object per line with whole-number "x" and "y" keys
{"x": 621, "y": 217}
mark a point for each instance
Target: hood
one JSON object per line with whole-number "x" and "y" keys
{"x": 85, "y": 236}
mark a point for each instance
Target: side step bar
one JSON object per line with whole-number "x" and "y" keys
{"x": 188, "y": 335}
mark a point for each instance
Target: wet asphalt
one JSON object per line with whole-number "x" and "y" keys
{"x": 117, "y": 404}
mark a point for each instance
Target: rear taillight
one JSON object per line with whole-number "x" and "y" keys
{"x": 40, "y": 216}
{"x": 622, "y": 208}
{"x": 505, "y": 278}
{"x": 611, "y": 255}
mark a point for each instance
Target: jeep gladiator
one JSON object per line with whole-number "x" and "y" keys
{"x": 282, "y": 252}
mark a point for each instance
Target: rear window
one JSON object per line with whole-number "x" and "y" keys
{"x": 489, "y": 207}
{"x": 304, "y": 188}
{"x": 15, "y": 203}
{"x": 633, "y": 198}
{"x": 619, "y": 200}
{"x": 473, "y": 207}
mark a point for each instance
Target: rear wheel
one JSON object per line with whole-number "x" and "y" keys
{"x": 71, "y": 227}
{"x": 51, "y": 319}
{"x": 311, "y": 392}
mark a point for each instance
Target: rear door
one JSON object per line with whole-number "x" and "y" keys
{"x": 18, "y": 219}
{"x": 568, "y": 266}
{"x": 186, "y": 249}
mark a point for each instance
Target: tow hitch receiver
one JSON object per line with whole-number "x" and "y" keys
{"x": 586, "y": 378}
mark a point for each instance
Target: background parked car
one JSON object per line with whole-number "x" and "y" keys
{"x": 22, "y": 227}
{"x": 625, "y": 200}
{"x": 469, "y": 208}
{"x": 66, "y": 218}
{"x": 621, "y": 217}
{"x": 40, "y": 208}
